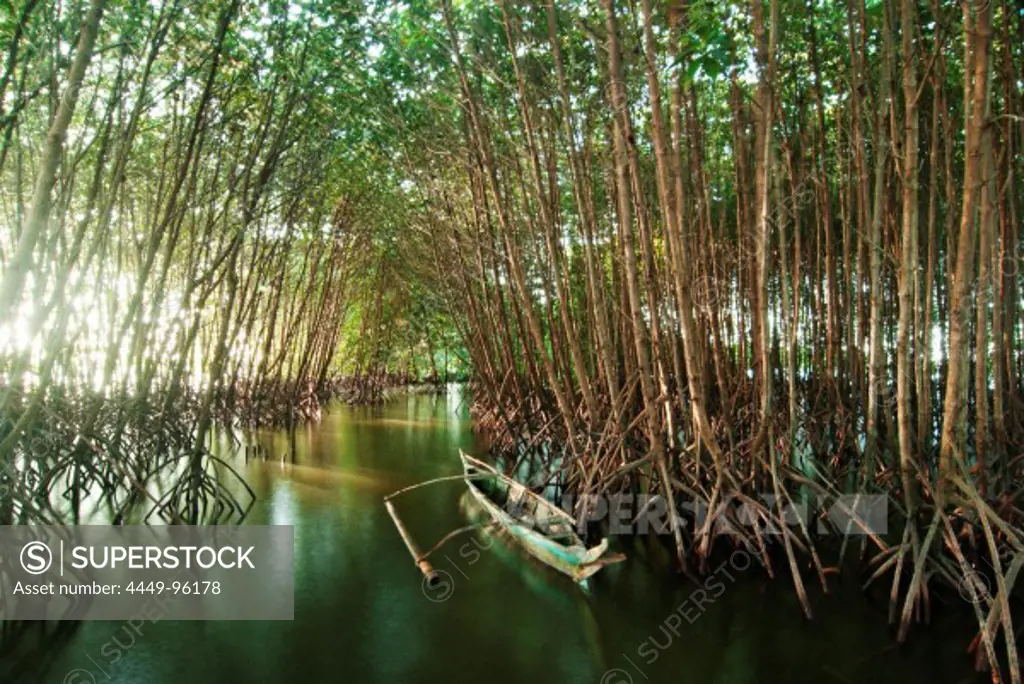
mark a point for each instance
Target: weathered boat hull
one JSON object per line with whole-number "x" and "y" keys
{"x": 545, "y": 531}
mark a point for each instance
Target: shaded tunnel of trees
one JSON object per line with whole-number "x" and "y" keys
{"x": 705, "y": 249}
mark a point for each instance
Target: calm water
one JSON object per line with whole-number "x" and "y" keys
{"x": 361, "y": 614}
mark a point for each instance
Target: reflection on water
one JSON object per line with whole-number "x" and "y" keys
{"x": 361, "y": 614}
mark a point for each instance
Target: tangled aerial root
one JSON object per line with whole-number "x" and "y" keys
{"x": 971, "y": 546}
{"x": 115, "y": 459}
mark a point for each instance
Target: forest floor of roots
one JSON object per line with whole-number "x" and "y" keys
{"x": 804, "y": 522}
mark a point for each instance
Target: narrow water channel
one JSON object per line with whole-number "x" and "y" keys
{"x": 361, "y": 614}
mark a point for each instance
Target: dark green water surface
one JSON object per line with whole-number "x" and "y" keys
{"x": 361, "y": 614}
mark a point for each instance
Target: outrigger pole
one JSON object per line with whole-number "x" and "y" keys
{"x": 433, "y": 580}
{"x": 418, "y": 557}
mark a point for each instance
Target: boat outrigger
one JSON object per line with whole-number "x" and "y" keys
{"x": 543, "y": 529}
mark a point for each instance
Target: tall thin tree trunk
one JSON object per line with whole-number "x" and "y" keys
{"x": 877, "y": 383}
{"x": 977, "y": 32}
{"x": 908, "y": 254}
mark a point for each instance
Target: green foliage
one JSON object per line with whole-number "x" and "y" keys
{"x": 706, "y": 48}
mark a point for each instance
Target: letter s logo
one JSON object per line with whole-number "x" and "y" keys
{"x": 36, "y": 558}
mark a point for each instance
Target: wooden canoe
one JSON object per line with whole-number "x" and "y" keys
{"x": 546, "y": 531}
